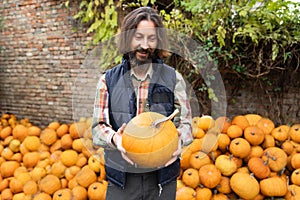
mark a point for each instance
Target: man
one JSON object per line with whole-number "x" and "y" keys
{"x": 141, "y": 83}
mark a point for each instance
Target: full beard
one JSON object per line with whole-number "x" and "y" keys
{"x": 134, "y": 61}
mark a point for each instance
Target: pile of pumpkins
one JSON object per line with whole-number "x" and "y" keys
{"x": 58, "y": 162}
{"x": 246, "y": 157}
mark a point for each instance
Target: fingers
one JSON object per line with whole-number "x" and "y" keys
{"x": 127, "y": 159}
{"x": 173, "y": 159}
{"x": 121, "y": 129}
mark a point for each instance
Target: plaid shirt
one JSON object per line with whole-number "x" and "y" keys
{"x": 103, "y": 133}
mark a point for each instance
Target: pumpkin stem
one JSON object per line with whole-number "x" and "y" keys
{"x": 212, "y": 156}
{"x": 268, "y": 157}
{"x": 230, "y": 157}
{"x": 281, "y": 171}
{"x": 288, "y": 186}
{"x": 215, "y": 191}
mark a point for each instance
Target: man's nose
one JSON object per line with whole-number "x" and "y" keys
{"x": 145, "y": 43}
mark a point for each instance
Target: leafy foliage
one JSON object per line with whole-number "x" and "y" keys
{"x": 250, "y": 39}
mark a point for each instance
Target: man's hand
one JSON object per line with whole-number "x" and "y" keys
{"x": 117, "y": 139}
{"x": 176, "y": 154}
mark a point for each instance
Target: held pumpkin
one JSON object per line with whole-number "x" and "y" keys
{"x": 150, "y": 146}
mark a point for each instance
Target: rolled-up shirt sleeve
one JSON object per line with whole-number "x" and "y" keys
{"x": 101, "y": 130}
{"x": 184, "y": 118}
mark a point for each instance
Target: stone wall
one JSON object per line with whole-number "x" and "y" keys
{"x": 45, "y": 76}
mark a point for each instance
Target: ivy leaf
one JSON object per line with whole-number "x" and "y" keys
{"x": 221, "y": 33}
{"x": 95, "y": 25}
{"x": 275, "y": 50}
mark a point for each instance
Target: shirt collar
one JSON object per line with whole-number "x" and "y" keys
{"x": 148, "y": 73}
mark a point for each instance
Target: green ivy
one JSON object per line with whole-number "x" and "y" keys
{"x": 249, "y": 38}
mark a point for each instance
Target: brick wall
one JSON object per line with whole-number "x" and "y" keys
{"x": 41, "y": 55}
{"x": 44, "y": 70}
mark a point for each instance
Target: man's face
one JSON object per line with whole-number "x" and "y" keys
{"x": 144, "y": 42}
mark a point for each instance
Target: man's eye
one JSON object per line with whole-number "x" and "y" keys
{"x": 138, "y": 37}
{"x": 152, "y": 39}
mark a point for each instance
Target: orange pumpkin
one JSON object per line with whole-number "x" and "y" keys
{"x": 198, "y": 159}
{"x": 62, "y": 130}
{"x": 69, "y": 157}
{"x": 223, "y": 141}
{"x": 5, "y": 132}
{"x": 244, "y": 185}
{"x": 20, "y": 132}
{"x": 190, "y": 177}
{"x": 198, "y": 132}
{"x": 63, "y": 194}
{"x": 268, "y": 142}
{"x": 273, "y": 186}
{"x": 210, "y": 175}
{"x": 240, "y": 147}
{"x": 288, "y": 147}
{"x": 266, "y": 125}
{"x": 185, "y": 193}
{"x": 295, "y": 177}
{"x": 42, "y": 196}
{"x": 256, "y": 151}
{"x": 196, "y": 145}
{"x": 86, "y": 176}
{"x": 79, "y": 193}
{"x": 258, "y": 167}
{"x": 254, "y": 135}
{"x": 203, "y": 193}
{"x": 97, "y": 190}
{"x": 281, "y": 133}
{"x": 210, "y": 140}
{"x": 220, "y": 196}
{"x": 8, "y": 168}
{"x": 224, "y": 185}
{"x": 234, "y": 131}
{"x": 185, "y": 158}
{"x": 7, "y": 194}
{"x": 294, "y": 133}
{"x": 66, "y": 141}
{"x": 241, "y": 121}
{"x": 295, "y": 160}
{"x": 31, "y": 159}
{"x": 32, "y": 143}
{"x": 77, "y": 129}
{"x": 293, "y": 192}
{"x": 276, "y": 158}
{"x": 48, "y": 136}
{"x": 49, "y": 184}
{"x": 30, "y": 187}
{"x": 253, "y": 118}
{"x": 150, "y": 146}
{"x": 223, "y": 123}
{"x": 226, "y": 165}
{"x": 205, "y": 122}
{"x": 34, "y": 131}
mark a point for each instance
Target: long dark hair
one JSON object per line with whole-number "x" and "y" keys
{"x": 130, "y": 23}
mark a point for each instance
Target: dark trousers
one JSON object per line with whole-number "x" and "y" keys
{"x": 141, "y": 186}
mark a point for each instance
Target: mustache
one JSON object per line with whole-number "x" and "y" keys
{"x": 142, "y": 50}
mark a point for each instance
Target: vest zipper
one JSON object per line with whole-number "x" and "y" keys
{"x": 160, "y": 189}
